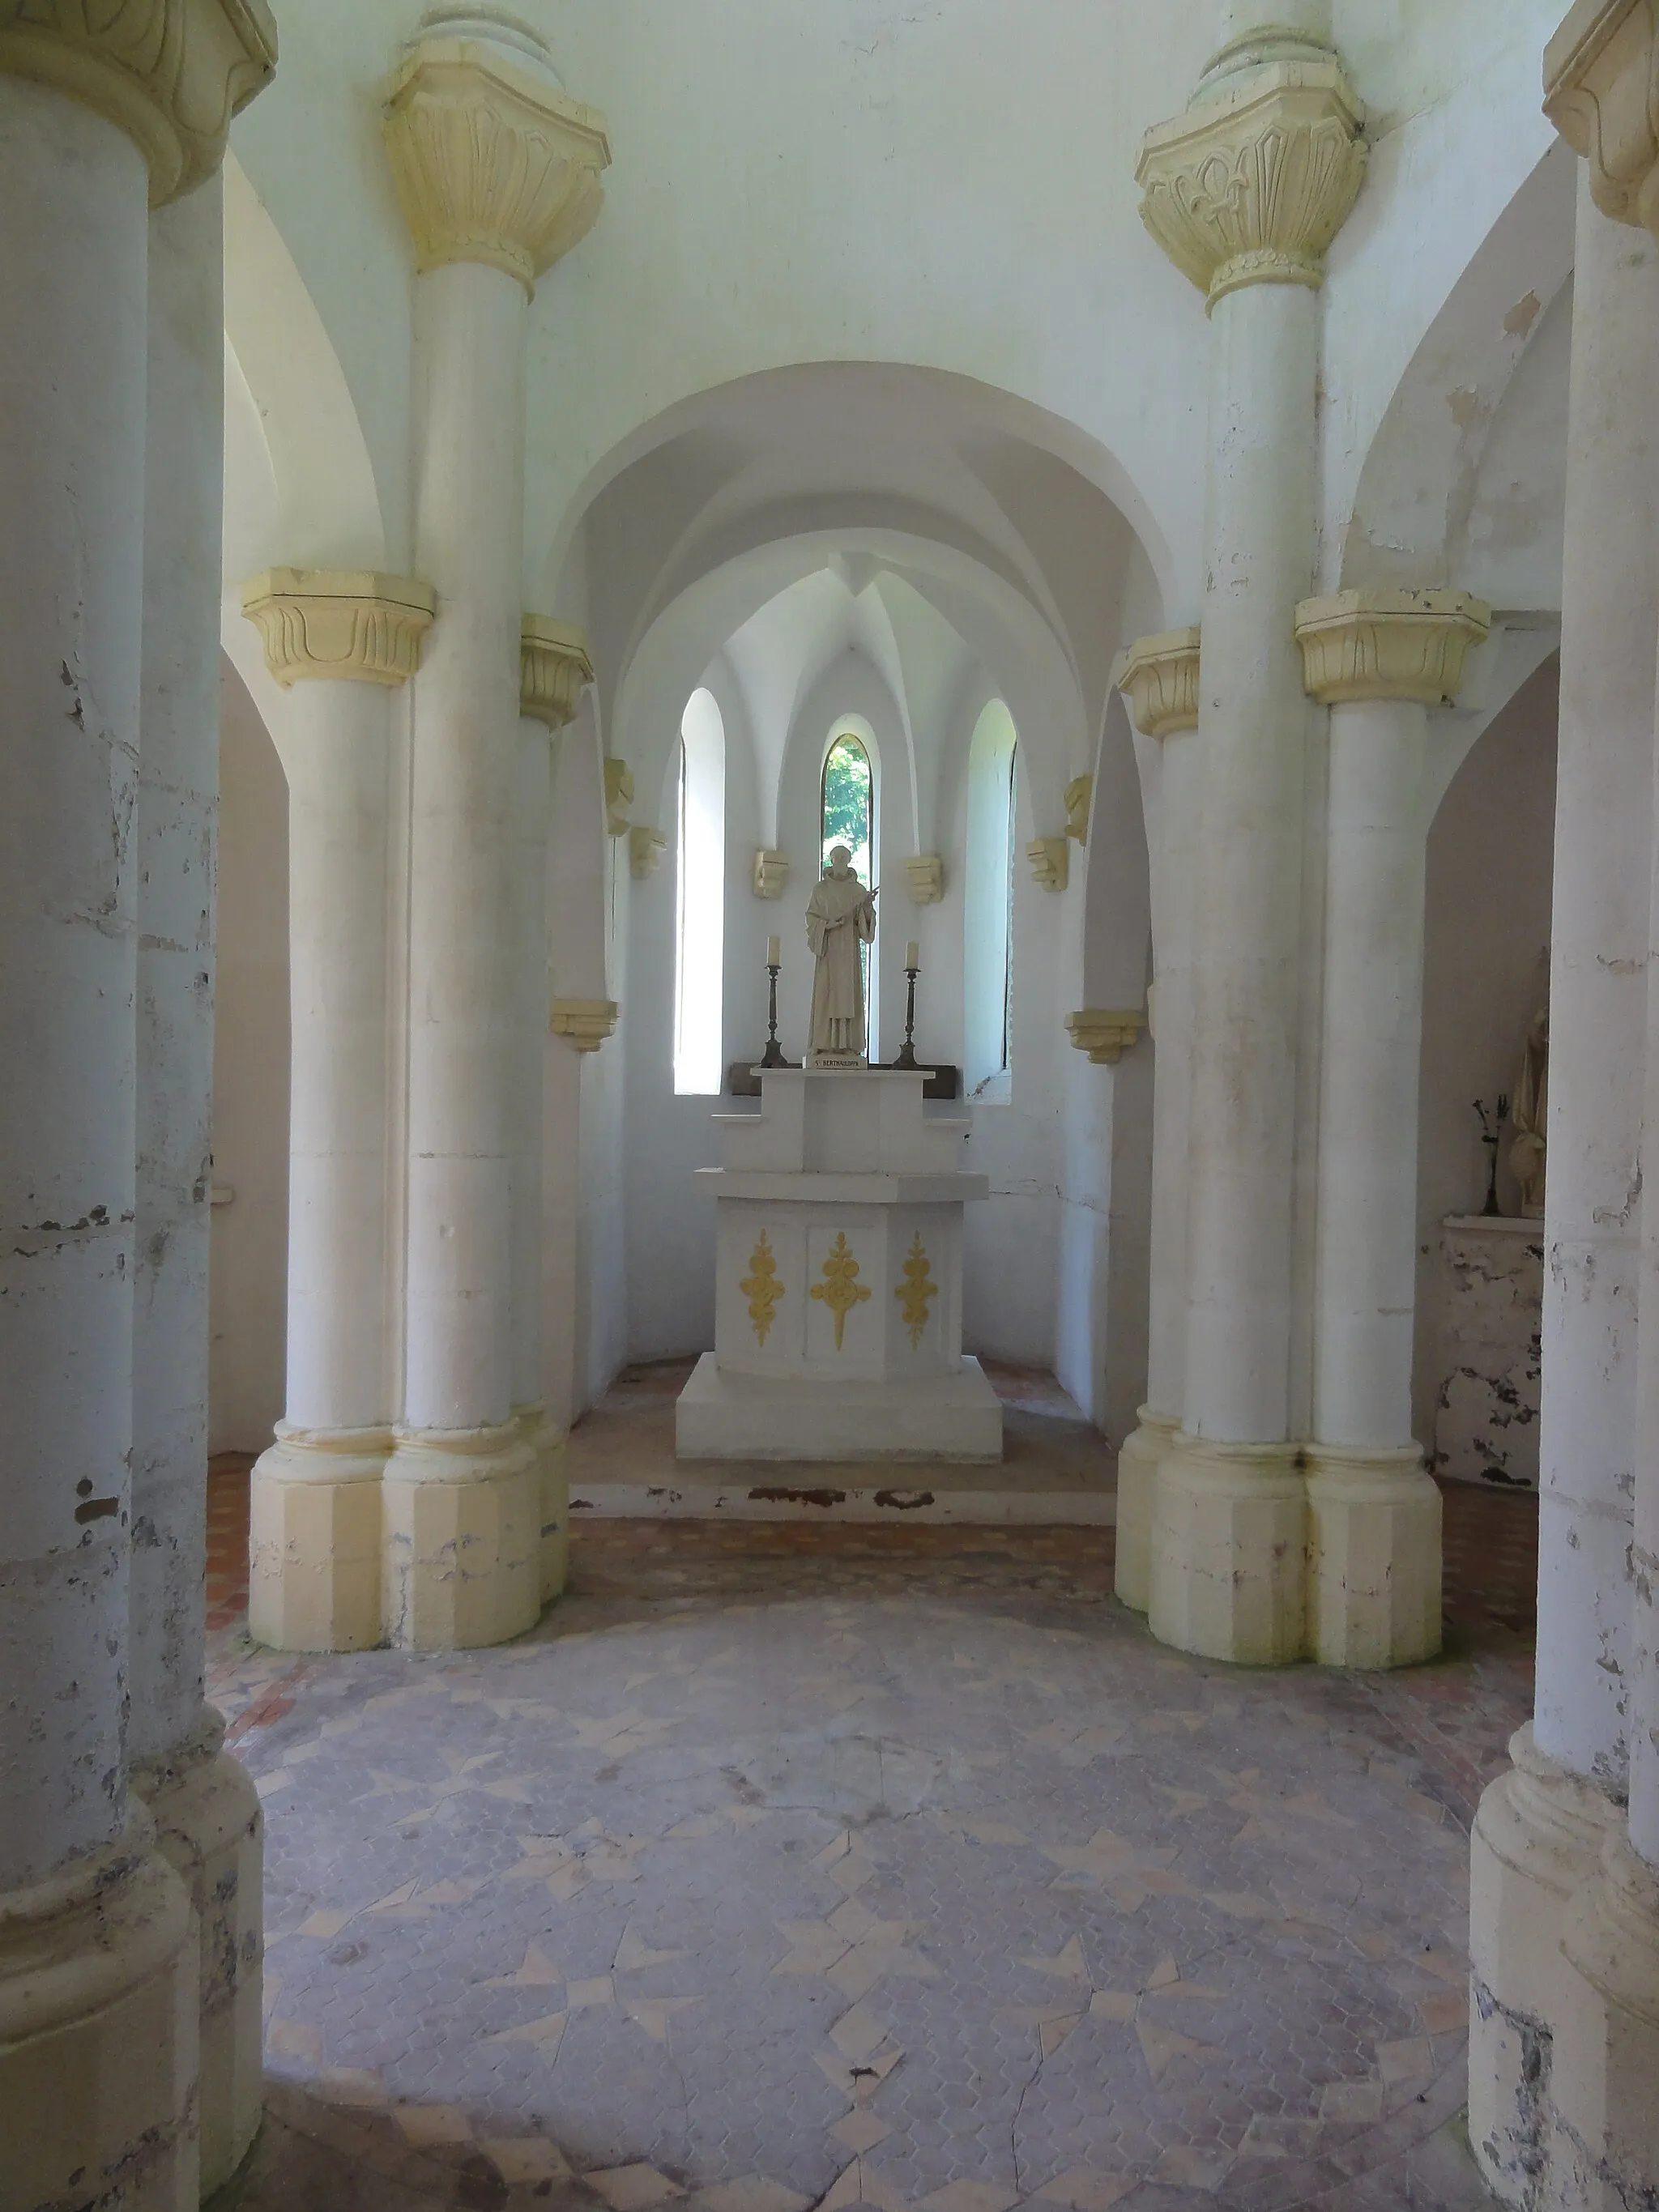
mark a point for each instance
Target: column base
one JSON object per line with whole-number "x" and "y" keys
{"x": 210, "y": 1829}
{"x": 1230, "y": 1545}
{"x": 1374, "y": 1556}
{"x": 98, "y": 2034}
{"x": 546, "y": 1441}
{"x": 1137, "y": 1462}
{"x": 463, "y": 1538}
{"x": 1604, "y": 2083}
{"x": 314, "y": 1540}
{"x": 1537, "y": 1838}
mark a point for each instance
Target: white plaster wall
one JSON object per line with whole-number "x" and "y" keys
{"x": 1485, "y": 969}
{"x": 248, "y": 1291}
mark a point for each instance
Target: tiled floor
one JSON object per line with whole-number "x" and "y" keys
{"x": 791, "y": 1865}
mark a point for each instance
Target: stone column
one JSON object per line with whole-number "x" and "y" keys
{"x": 206, "y": 1810}
{"x": 1564, "y": 1912}
{"x": 498, "y": 171}
{"x": 99, "y": 1971}
{"x": 1380, "y": 660}
{"x": 1230, "y": 1528}
{"x": 339, "y": 643}
{"x": 1160, "y": 677}
{"x": 553, "y": 666}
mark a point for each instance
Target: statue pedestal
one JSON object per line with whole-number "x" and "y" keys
{"x": 838, "y": 1295}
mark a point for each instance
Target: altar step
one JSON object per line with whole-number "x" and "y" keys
{"x": 1056, "y": 1469}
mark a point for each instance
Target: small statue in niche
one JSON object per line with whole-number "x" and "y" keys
{"x": 1528, "y": 1116}
{"x": 840, "y": 919}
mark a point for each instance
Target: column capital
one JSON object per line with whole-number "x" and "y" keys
{"x": 584, "y": 1024}
{"x": 346, "y": 623}
{"x": 492, "y": 160}
{"x": 1389, "y": 644}
{"x": 1253, "y": 182}
{"x": 553, "y": 666}
{"x": 1602, "y": 93}
{"x": 1105, "y": 1034}
{"x": 170, "y": 73}
{"x": 1159, "y": 674}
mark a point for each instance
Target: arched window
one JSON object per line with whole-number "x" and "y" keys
{"x": 847, "y": 816}
{"x": 848, "y": 802}
{"x": 700, "y": 936}
{"x": 989, "y": 943}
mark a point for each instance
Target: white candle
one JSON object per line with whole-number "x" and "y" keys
{"x": 912, "y": 954}
{"x": 774, "y": 952}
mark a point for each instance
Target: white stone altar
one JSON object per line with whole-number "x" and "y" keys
{"x": 838, "y": 1296}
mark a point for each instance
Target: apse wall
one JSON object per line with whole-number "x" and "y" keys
{"x": 1012, "y": 1272}
{"x": 248, "y": 1292}
{"x": 1485, "y": 973}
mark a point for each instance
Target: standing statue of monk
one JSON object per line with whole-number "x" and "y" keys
{"x": 841, "y": 918}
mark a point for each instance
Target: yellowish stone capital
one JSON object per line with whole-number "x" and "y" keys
{"x": 1104, "y": 1034}
{"x": 170, "y": 73}
{"x": 770, "y": 872}
{"x": 927, "y": 874}
{"x": 1051, "y": 862}
{"x": 491, "y": 161}
{"x": 584, "y": 1024}
{"x": 618, "y": 795}
{"x": 344, "y": 623}
{"x": 553, "y": 667}
{"x": 645, "y": 848}
{"x": 1078, "y": 795}
{"x": 1602, "y": 93}
{"x": 1160, "y": 676}
{"x": 1389, "y": 644}
{"x": 1253, "y": 182}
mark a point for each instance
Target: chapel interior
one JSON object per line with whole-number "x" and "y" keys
{"x": 829, "y": 1309}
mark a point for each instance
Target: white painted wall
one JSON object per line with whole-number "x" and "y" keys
{"x": 1486, "y": 971}
{"x": 248, "y": 1294}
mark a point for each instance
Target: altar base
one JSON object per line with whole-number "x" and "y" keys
{"x": 838, "y": 1281}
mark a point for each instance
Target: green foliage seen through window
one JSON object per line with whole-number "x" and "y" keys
{"x": 846, "y": 803}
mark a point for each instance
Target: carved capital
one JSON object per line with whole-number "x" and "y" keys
{"x": 491, "y": 161}
{"x": 348, "y": 624}
{"x": 1077, "y": 795}
{"x": 1602, "y": 93}
{"x": 770, "y": 873}
{"x": 927, "y": 874}
{"x": 1389, "y": 644}
{"x": 553, "y": 666}
{"x": 1104, "y": 1036}
{"x": 1160, "y": 675}
{"x": 645, "y": 851}
{"x": 1051, "y": 861}
{"x": 1250, "y": 185}
{"x": 584, "y": 1024}
{"x": 618, "y": 795}
{"x": 170, "y": 73}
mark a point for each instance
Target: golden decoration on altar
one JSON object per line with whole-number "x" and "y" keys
{"x": 761, "y": 1288}
{"x": 913, "y": 1292}
{"x": 838, "y": 1291}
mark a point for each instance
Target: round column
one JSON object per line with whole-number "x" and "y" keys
{"x": 1380, "y": 660}
{"x": 98, "y": 1978}
{"x": 204, "y": 1806}
{"x": 553, "y": 666}
{"x": 339, "y": 643}
{"x": 1564, "y": 1914}
{"x": 498, "y": 171}
{"x": 1230, "y": 1529}
{"x": 1160, "y": 675}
